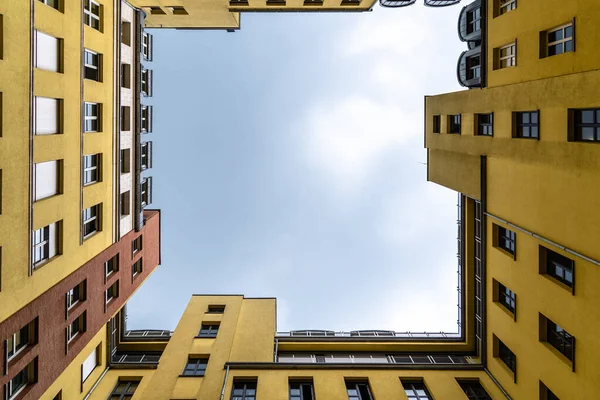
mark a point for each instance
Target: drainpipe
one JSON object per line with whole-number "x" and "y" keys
{"x": 276, "y": 350}
{"x": 224, "y": 383}
{"x": 95, "y": 384}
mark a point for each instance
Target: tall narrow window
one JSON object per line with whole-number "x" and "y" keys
{"x": 91, "y": 169}
{"x": 47, "y": 116}
{"x": 76, "y": 327}
{"x": 146, "y": 119}
{"x": 146, "y": 82}
{"x": 208, "y": 331}
{"x": 195, "y": 367}
{"x": 454, "y": 123}
{"x": 46, "y": 179}
{"x": 358, "y": 390}
{"x": 91, "y": 220}
{"x": 586, "y": 125}
{"x": 47, "y": 52}
{"x": 136, "y": 245}
{"x": 505, "y": 355}
{"x": 416, "y": 390}
{"x": 243, "y": 390}
{"x": 124, "y": 204}
{"x": 146, "y": 155}
{"x": 112, "y": 265}
{"x": 473, "y": 389}
{"x": 90, "y": 363}
{"x": 126, "y": 33}
{"x": 559, "y": 338}
{"x": 112, "y": 292}
{"x": 25, "y": 377}
{"x": 474, "y": 20}
{"x": 527, "y": 124}
{"x": 92, "y": 65}
{"x": 75, "y": 295}
{"x": 506, "y": 297}
{"x": 474, "y": 67}
{"x": 125, "y": 118}
{"x": 92, "y": 117}
{"x": 301, "y": 390}
{"x": 91, "y": 10}
{"x": 147, "y": 46}
{"x": 559, "y": 40}
{"x": 146, "y": 191}
{"x": 136, "y": 268}
{"x": 506, "y": 239}
{"x": 485, "y": 124}
{"x": 436, "y": 123}
{"x": 126, "y": 76}
{"x": 125, "y": 161}
{"x": 45, "y": 244}
{"x": 124, "y": 390}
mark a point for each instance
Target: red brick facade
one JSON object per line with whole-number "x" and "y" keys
{"x": 50, "y": 309}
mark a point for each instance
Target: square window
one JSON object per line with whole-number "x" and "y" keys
{"x": 506, "y": 239}
{"x": 506, "y": 56}
{"x": 112, "y": 292}
{"x": 75, "y": 295}
{"x": 195, "y": 367}
{"x": 91, "y": 10}
{"x": 557, "y": 337}
{"x": 111, "y": 265}
{"x": 557, "y": 266}
{"x": 91, "y": 169}
{"x": 92, "y": 68}
{"x": 91, "y": 220}
{"x": 585, "y": 124}
{"x": 485, "y": 124}
{"x": 92, "y": 117}
{"x": 506, "y": 6}
{"x": 454, "y": 123}
{"x": 527, "y": 124}
{"x": 505, "y": 355}
{"x": 505, "y": 296}
{"x": 136, "y": 268}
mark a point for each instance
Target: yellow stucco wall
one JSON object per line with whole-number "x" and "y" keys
{"x": 18, "y": 288}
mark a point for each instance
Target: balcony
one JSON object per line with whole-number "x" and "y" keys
{"x": 470, "y": 68}
{"x": 367, "y": 334}
{"x": 146, "y": 82}
{"x": 372, "y": 358}
{"x": 137, "y": 358}
{"x": 147, "y": 334}
{"x": 146, "y": 155}
{"x": 470, "y": 23}
{"x": 146, "y": 114}
{"x": 146, "y": 192}
{"x": 429, "y": 3}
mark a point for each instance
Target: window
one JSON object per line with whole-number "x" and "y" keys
{"x": 559, "y": 40}
{"x": 136, "y": 268}
{"x": 216, "y": 309}
{"x": 125, "y": 118}
{"x": 301, "y": 391}
{"x": 126, "y": 76}
{"x": 208, "y": 331}
{"x": 454, "y": 124}
{"x": 47, "y": 116}
{"x": 358, "y": 390}
{"x": 91, "y": 220}
{"x": 178, "y": 10}
{"x": 136, "y": 245}
{"x": 111, "y": 265}
{"x": 124, "y": 204}
{"x": 546, "y": 393}
{"x": 91, "y": 10}
{"x": 147, "y": 119}
{"x": 474, "y": 20}
{"x": 507, "y": 239}
{"x": 474, "y": 390}
{"x": 557, "y": 266}
{"x": 474, "y": 67}
{"x": 92, "y": 65}
{"x": 146, "y": 82}
{"x": 507, "y": 5}
{"x": 485, "y": 124}
{"x": 504, "y": 354}
{"x": 75, "y": 295}
{"x": 91, "y": 169}
{"x": 507, "y": 297}
{"x": 76, "y": 327}
{"x": 52, "y": 3}
{"x": 527, "y": 124}
{"x": 156, "y": 10}
{"x": 18, "y": 341}
{"x": 46, "y": 179}
{"x": 507, "y": 56}
{"x": 92, "y": 117}
{"x": 126, "y": 33}
{"x": 559, "y": 338}
{"x": 416, "y": 390}
{"x": 45, "y": 244}
{"x": 90, "y": 363}
{"x": 26, "y": 376}
{"x": 146, "y": 155}
{"x": 586, "y": 125}
{"x": 124, "y": 390}
{"x": 125, "y": 161}
{"x": 58, "y": 396}
{"x": 243, "y": 390}
{"x": 112, "y": 292}
{"x": 147, "y": 46}
{"x": 436, "y": 124}
{"x": 47, "y": 51}
{"x": 195, "y": 367}
{"x": 146, "y": 191}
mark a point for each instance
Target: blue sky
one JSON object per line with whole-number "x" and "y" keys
{"x": 288, "y": 162}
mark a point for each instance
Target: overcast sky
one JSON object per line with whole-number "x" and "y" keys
{"x": 289, "y": 162}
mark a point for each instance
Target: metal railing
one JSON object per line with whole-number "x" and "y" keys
{"x": 366, "y": 334}
{"x": 148, "y": 333}
{"x": 136, "y": 358}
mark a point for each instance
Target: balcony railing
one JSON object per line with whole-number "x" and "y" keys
{"x": 362, "y": 358}
{"x": 429, "y": 3}
{"x": 368, "y": 334}
{"x": 136, "y": 357}
{"x": 148, "y": 334}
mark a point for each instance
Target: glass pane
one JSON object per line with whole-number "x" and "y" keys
{"x": 587, "y": 116}
{"x": 568, "y": 32}
{"x": 587, "y": 133}
{"x": 525, "y": 118}
{"x": 569, "y": 46}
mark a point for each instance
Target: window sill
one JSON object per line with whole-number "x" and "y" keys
{"x": 191, "y": 376}
{"x": 90, "y": 183}
{"x": 508, "y": 253}
{"x": 570, "y": 289}
{"x": 19, "y": 354}
{"x": 205, "y": 337}
{"x": 559, "y": 355}
{"x": 75, "y": 308}
{"x": 54, "y": 196}
{"x": 44, "y": 263}
{"x": 511, "y": 314}
{"x": 91, "y": 235}
{"x": 505, "y": 368}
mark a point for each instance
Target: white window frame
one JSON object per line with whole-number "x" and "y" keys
{"x": 55, "y": 2}
{"x": 71, "y": 293}
{"x": 93, "y": 219}
{"x": 86, "y": 366}
{"x": 70, "y": 334}
{"x": 9, "y": 386}
{"x": 510, "y": 59}
{"x": 147, "y": 46}
{"x": 94, "y": 166}
{"x": 561, "y": 41}
{"x": 115, "y": 267}
{"x": 13, "y": 347}
{"x": 135, "y": 270}
{"x": 111, "y": 288}
{"x": 89, "y": 15}
{"x": 43, "y": 243}
{"x": 92, "y": 66}
{"x": 92, "y": 117}
{"x": 507, "y": 6}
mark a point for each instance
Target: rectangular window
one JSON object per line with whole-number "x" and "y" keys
{"x": 46, "y": 179}
{"x": 76, "y": 327}
{"x": 507, "y": 239}
{"x": 485, "y": 124}
{"x": 125, "y": 118}
{"x": 436, "y": 124}
{"x": 178, "y": 10}
{"x": 47, "y": 52}
{"x": 507, "y": 56}
{"x": 126, "y": 33}
{"x": 586, "y": 124}
{"x": 213, "y": 309}
{"x": 195, "y": 367}
{"x": 124, "y": 390}
{"x": 26, "y": 376}
{"x": 91, "y": 169}
{"x": 92, "y": 117}
{"x": 112, "y": 292}
{"x": 454, "y": 124}
{"x": 92, "y": 65}
{"x": 474, "y": 20}
{"x": 474, "y": 67}
{"x": 208, "y": 331}
{"x": 125, "y": 161}
{"x": 503, "y": 353}
{"x": 111, "y": 265}
{"x": 146, "y": 82}
{"x": 75, "y": 295}
{"x": 45, "y": 244}
{"x": 47, "y": 116}
{"x": 243, "y": 390}
{"x": 52, "y": 3}
{"x": 126, "y": 76}
{"x": 473, "y": 389}
{"x": 146, "y": 191}
{"x": 136, "y": 245}
{"x": 416, "y": 390}
{"x": 91, "y": 220}
{"x": 19, "y": 340}
{"x": 146, "y": 119}
{"x": 90, "y": 363}
{"x": 506, "y": 297}
{"x": 91, "y": 10}
{"x": 557, "y": 266}
{"x": 358, "y": 390}
{"x": 559, "y": 40}
{"x": 507, "y": 5}
{"x": 546, "y": 393}
{"x": 300, "y": 390}
{"x": 156, "y": 10}
{"x": 147, "y": 46}
{"x": 146, "y": 155}
{"x": 527, "y": 124}
{"x": 556, "y": 336}
{"x": 136, "y": 268}
{"x": 124, "y": 204}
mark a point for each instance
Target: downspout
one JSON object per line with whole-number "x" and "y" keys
{"x": 496, "y": 382}
{"x": 87, "y": 396}
{"x": 224, "y": 383}
{"x": 276, "y": 350}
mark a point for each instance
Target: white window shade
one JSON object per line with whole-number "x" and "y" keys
{"x": 46, "y": 116}
{"x": 89, "y": 364}
{"x": 53, "y": 240}
{"x": 46, "y": 52}
{"x": 46, "y": 179}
